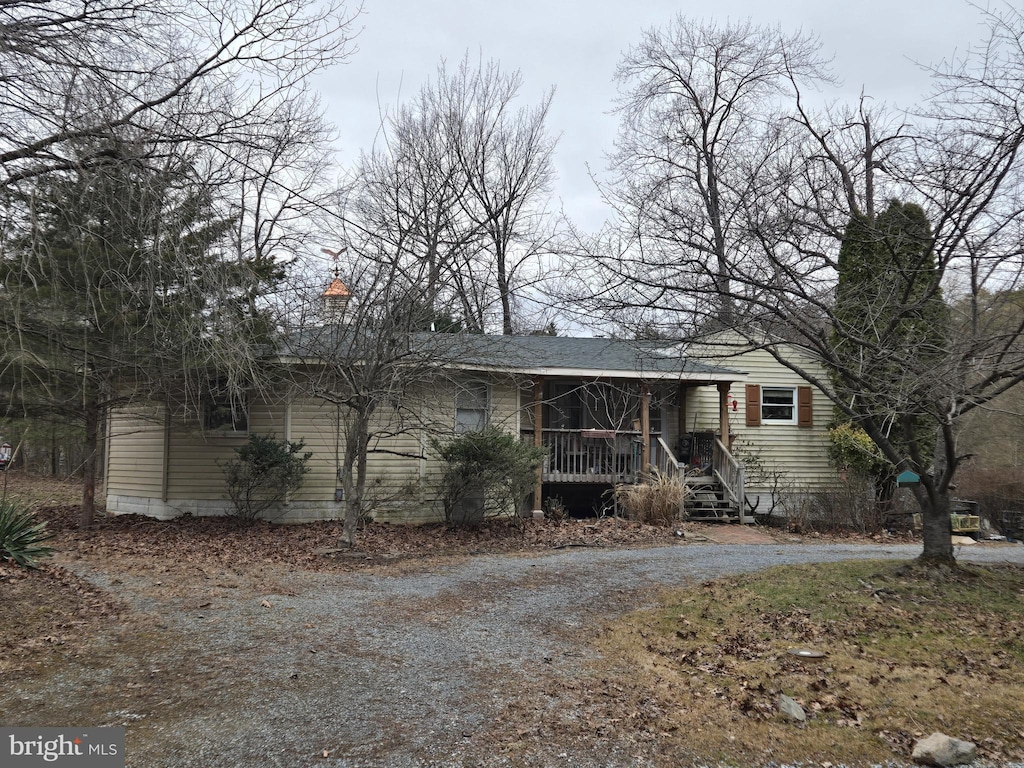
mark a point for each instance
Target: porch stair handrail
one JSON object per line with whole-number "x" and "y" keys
{"x": 729, "y": 473}
{"x": 666, "y": 462}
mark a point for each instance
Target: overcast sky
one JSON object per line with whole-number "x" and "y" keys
{"x": 574, "y": 45}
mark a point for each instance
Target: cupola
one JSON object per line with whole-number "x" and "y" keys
{"x": 336, "y": 299}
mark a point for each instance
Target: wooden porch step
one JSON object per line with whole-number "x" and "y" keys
{"x": 706, "y": 501}
{"x": 693, "y": 480}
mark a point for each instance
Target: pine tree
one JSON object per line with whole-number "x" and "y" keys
{"x": 121, "y": 283}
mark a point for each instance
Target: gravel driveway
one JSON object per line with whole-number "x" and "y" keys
{"x": 388, "y": 668}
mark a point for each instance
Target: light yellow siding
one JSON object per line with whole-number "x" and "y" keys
{"x": 402, "y": 468}
{"x": 196, "y": 457}
{"x": 135, "y": 452}
{"x": 314, "y": 422}
{"x": 786, "y": 455}
{"x": 415, "y": 483}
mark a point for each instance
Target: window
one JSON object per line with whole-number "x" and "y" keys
{"x": 471, "y": 404}
{"x": 224, "y": 414}
{"x": 779, "y": 405}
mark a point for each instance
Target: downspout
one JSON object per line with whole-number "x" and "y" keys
{"x": 538, "y": 441}
{"x": 165, "y": 470}
{"x": 106, "y": 454}
{"x": 288, "y": 437}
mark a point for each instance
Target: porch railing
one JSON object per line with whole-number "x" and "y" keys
{"x": 606, "y": 456}
{"x": 729, "y": 473}
{"x": 665, "y": 461}
{"x": 589, "y": 455}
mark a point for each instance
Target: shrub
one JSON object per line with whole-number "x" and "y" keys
{"x": 264, "y": 471}
{"x": 656, "y": 501}
{"x": 845, "y": 508}
{"x": 486, "y": 471}
{"x": 555, "y": 509}
{"x": 22, "y": 535}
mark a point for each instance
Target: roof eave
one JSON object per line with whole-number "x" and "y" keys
{"x": 604, "y": 373}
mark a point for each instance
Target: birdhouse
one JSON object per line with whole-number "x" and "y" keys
{"x": 906, "y": 479}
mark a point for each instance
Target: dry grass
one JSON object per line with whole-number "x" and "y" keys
{"x": 657, "y": 501}
{"x": 907, "y": 654}
{"x": 41, "y": 491}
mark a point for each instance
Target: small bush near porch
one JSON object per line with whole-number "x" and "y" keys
{"x": 485, "y": 472}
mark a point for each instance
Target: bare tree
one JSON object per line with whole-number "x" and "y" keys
{"x": 373, "y": 361}
{"x": 701, "y": 108}
{"x": 79, "y": 69}
{"x": 505, "y": 158}
{"x": 407, "y": 197}
{"x": 459, "y": 188}
{"x": 955, "y": 168}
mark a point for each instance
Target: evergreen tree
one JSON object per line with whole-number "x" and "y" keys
{"x": 890, "y": 328}
{"x": 120, "y": 282}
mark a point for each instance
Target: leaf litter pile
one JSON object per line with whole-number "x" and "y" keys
{"x": 905, "y": 653}
{"x": 314, "y": 546}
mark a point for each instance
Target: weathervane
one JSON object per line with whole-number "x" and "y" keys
{"x": 334, "y": 256}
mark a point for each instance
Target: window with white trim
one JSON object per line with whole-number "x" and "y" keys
{"x": 778, "y": 405}
{"x": 472, "y": 402}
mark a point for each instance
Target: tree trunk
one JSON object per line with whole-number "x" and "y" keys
{"x": 92, "y": 429}
{"x": 54, "y": 455}
{"x": 504, "y": 291}
{"x": 353, "y": 475}
{"x": 933, "y": 498}
{"x": 936, "y": 527}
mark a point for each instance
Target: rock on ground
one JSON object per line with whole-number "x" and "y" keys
{"x": 791, "y": 709}
{"x": 940, "y": 749}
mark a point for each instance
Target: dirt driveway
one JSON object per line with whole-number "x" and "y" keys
{"x": 465, "y": 661}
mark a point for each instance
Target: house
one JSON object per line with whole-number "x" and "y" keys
{"x": 738, "y": 424}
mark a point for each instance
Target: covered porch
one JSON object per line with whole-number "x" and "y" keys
{"x": 605, "y": 431}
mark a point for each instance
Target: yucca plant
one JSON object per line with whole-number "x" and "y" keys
{"x": 22, "y": 535}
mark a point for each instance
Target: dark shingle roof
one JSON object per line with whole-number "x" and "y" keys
{"x": 538, "y": 355}
{"x": 548, "y": 354}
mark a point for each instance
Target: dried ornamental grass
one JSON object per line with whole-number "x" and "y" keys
{"x": 656, "y": 501}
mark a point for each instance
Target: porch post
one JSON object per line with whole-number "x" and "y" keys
{"x": 682, "y": 415}
{"x": 645, "y": 430}
{"x": 723, "y": 412}
{"x": 538, "y": 441}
